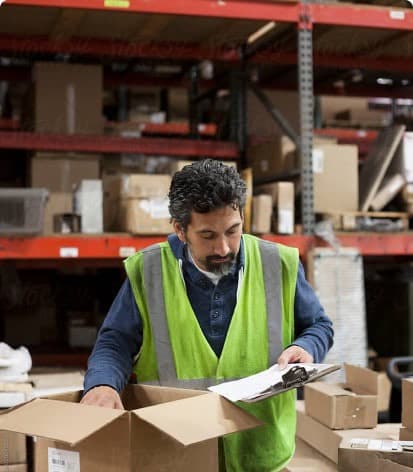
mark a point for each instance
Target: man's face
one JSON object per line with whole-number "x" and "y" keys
{"x": 213, "y": 238}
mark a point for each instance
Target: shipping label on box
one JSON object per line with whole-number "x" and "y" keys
{"x": 361, "y": 454}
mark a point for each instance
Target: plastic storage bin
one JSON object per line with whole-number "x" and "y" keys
{"x": 22, "y": 210}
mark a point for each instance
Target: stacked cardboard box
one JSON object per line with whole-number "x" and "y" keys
{"x": 334, "y": 412}
{"x": 327, "y": 441}
{"x": 13, "y": 455}
{"x": 137, "y": 203}
{"x": 406, "y": 431}
{"x": 60, "y": 173}
{"x": 281, "y": 217}
{"x": 65, "y": 99}
{"x": 361, "y": 454}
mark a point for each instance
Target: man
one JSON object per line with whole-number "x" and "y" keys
{"x": 212, "y": 304}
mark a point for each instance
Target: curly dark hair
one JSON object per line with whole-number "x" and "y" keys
{"x": 204, "y": 186}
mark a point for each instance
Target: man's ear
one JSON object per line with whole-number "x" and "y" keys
{"x": 179, "y": 231}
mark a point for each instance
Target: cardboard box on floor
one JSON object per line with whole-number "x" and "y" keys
{"x": 344, "y": 406}
{"x": 307, "y": 459}
{"x": 162, "y": 429}
{"x": 405, "y": 434}
{"x": 407, "y": 403}
{"x": 355, "y": 459}
{"x": 327, "y": 441}
{"x": 12, "y": 448}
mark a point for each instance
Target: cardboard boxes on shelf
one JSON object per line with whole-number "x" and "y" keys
{"x": 66, "y": 99}
{"x": 282, "y": 195}
{"x": 161, "y": 428}
{"x": 271, "y": 158}
{"x": 261, "y": 214}
{"x": 60, "y": 173}
{"x": 336, "y": 187}
{"x": 137, "y": 203}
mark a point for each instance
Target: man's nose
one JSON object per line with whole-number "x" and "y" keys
{"x": 221, "y": 247}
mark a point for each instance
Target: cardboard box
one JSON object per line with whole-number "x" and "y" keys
{"x": 145, "y": 216}
{"x": 88, "y": 203}
{"x": 57, "y": 204}
{"x": 407, "y": 403}
{"x": 335, "y": 169}
{"x": 282, "y": 194}
{"x": 13, "y": 468}
{"x": 369, "y": 382}
{"x": 307, "y": 459}
{"x": 327, "y": 441}
{"x": 137, "y": 186}
{"x": 373, "y": 455}
{"x": 271, "y": 158}
{"x": 12, "y": 448}
{"x": 261, "y": 214}
{"x": 61, "y": 172}
{"x": 405, "y": 434}
{"x": 161, "y": 429}
{"x": 66, "y": 99}
{"x": 340, "y": 408}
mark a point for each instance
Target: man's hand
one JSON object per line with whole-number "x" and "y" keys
{"x": 294, "y": 354}
{"x": 103, "y": 396}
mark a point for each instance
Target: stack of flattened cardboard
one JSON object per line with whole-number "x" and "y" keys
{"x": 161, "y": 429}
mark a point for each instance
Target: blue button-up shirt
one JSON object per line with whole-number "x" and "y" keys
{"x": 120, "y": 337}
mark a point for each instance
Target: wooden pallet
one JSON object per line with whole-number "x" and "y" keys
{"x": 353, "y": 220}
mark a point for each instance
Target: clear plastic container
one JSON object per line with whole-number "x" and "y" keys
{"x": 22, "y": 210}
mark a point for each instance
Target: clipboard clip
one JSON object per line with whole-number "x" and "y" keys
{"x": 296, "y": 376}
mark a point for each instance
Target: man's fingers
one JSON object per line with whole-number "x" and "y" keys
{"x": 103, "y": 396}
{"x": 294, "y": 354}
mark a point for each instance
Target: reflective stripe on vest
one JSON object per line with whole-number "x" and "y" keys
{"x": 271, "y": 265}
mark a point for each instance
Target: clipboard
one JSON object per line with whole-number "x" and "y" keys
{"x": 272, "y": 381}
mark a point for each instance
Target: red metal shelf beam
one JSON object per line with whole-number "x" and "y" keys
{"x": 74, "y": 247}
{"x": 233, "y": 9}
{"x": 114, "y": 144}
{"x": 115, "y": 247}
{"x": 366, "y": 16}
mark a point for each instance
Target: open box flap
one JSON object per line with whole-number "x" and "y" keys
{"x": 195, "y": 419}
{"x": 361, "y": 379}
{"x": 59, "y": 420}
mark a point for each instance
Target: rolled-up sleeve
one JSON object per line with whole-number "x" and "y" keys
{"x": 313, "y": 329}
{"x": 118, "y": 342}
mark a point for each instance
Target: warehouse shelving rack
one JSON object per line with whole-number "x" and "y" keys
{"x": 304, "y": 16}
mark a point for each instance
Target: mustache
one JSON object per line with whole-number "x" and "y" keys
{"x": 230, "y": 258}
